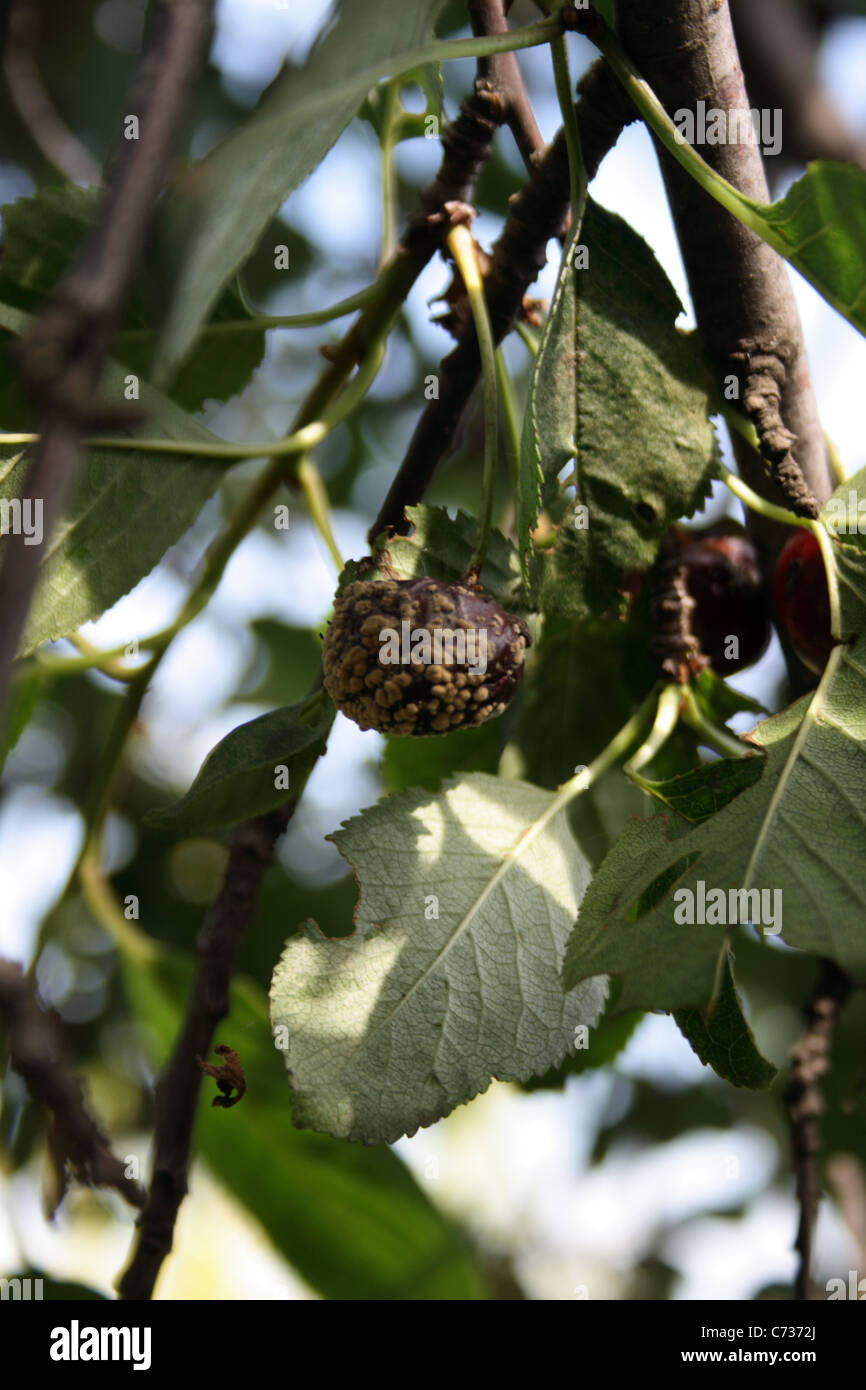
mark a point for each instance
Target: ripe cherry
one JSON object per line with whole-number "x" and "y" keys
{"x": 803, "y": 600}
{"x": 723, "y": 577}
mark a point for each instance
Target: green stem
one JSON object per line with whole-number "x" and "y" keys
{"x": 135, "y": 944}
{"x": 257, "y": 320}
{"x": 666, "y": 719}
{"x": 298, "y": 443}
{"x": 713, "y": 735}
{"x": 818, "y": 529}
{"x": 318, "y": 506}
{"x": 505, "y": 388}
{"x": 840, "y": 472}
{"x": 576, "y": 171}
{"x": 615, "y": 752}
{"x": 462, "y": 248}
{"x": 759, "y": 504}
{"x": 389, "y": 182}
{"x": 531, "y": 341}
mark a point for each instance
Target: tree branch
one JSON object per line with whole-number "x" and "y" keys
{"x": 62, "y": 356}
{"x": 742, "y": 297}
{"x": 502, "y": 71}
{"x": 76, "y": 1138}
{"x": 217, "y": 945}
{"x": 810, "y": 1061}
{"x": 535, "y": 215}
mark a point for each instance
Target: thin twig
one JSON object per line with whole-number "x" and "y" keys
{"x": 76, "y": 1139}
{"x": 810, "y": 1061}
{"x": 250, "y": 853}
{"x": 502, "y": 73}
{"x": 62, "y": 356}
{"x": 33, "y": 103}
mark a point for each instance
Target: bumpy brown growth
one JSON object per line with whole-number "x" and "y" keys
{"x": 419, "y": 656}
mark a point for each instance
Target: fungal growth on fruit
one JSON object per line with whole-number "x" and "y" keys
{"x": 803, "y": 600}
{"x": 419, "y": 656}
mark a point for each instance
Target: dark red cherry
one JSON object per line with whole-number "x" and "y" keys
{"x": 803, "y": 600}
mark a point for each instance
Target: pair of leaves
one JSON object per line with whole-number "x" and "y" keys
{"x": 620, "y": 396}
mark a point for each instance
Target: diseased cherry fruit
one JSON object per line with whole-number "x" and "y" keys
{"x": 723, "y": 576}
{"x": 803, "y": 600}
{"x": 419, "y": 656}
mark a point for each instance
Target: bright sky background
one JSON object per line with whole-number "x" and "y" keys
{"x": 511, "y": 1165}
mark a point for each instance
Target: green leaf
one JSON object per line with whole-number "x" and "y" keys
{"x": 719, "y": 701}
{"x": 620, "y": 396}
{"x": 292, "y": 657}
{"x": 28, "y": 684}
{"x": 351, "y": 1220}
{"x": 699, "y": 794}
{"x": 604, "y": 1045}
{"x": 126, "y": 509}
{"x": 219, "y": 208}
{"x": 441, "y": 547}
{"x": 820, "y": 226}
{"x": 42, "y": 234}
{"x": 427, "y": 762}
{"x": 241, "y": 777}
{"x": 724, "y": 1040}
{"x": 451, "y": 977}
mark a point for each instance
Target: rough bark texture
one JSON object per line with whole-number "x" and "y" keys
{"x": 740, "y": 289}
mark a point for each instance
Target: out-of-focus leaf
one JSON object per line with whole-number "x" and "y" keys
{"x": 256, "y": 768}
{"x": 291, "y": 659}
{"x": 219, "y": 207}
{"x": 41, "y": 235}
{"x": 126, "y": 509}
